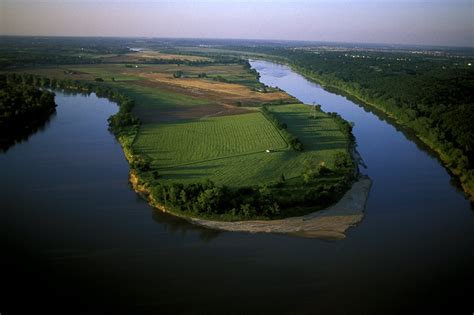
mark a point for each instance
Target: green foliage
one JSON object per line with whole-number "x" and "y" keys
{"x": 181, "y": 143}
{"x": 342, "y": 160}
{"x": 205, "y": 199}
{"x": 314, "y": 169}
{"x": 220, "y": 78}
{"x": 249, "y": 183}
{"x": 178, "y": 74}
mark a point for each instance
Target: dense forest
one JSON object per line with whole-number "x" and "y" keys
{"x": 430, "y": 93}
{"x": 23, "y": 109}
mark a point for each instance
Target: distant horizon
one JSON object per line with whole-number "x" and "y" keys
{"x": 446, "y": 23}
{"x": 327, "y": 42}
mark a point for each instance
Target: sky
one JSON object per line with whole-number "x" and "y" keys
{"x": 421, "y": 22}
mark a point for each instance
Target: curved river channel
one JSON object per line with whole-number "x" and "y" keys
{"x": 77, "y": 239}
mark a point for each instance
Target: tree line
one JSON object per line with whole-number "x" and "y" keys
{"x": 293, "y": 141}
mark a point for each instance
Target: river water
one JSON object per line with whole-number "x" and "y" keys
{"x": 77, "y": 239}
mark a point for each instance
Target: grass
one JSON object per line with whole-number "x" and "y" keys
{"x": 146, "y": 96}
{"x": 320, "y": 134}
{"x": 230, "y": 150}
{"x": 210, "y": 138}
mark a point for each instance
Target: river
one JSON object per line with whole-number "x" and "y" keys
{"x": 77, "y": 239}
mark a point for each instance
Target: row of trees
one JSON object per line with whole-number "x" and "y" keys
{"x": 344, "y": 126}
{"x": 293, "y": 141}
{"x": 265, "y": 201}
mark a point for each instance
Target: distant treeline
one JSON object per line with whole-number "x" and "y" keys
{"x": 216, "y": 60}
{"x": 23, "y": 109}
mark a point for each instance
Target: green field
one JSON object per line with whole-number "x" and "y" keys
{"x": 230, "y": 150}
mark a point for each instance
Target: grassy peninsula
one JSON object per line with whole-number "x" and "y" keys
{"x": 204, "y": 138}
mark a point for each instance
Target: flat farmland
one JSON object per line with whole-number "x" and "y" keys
{"x": 321, "y": 134}
{"x": 230, "y": 150}
{"x": 150, "y": 55}
{"x": 184, "y": 142}
{"x": 161, "y": 96}
{"x": 203, "y": 122}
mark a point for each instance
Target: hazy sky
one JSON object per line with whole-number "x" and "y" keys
{"x": 436, "y": 22}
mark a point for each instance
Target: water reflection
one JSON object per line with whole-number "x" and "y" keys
{"x": 22, "y": 134}
{"x": 176, "y": 225}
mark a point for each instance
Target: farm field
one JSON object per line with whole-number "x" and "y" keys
{"x": 230, "y": 150}
{"x": 161, "y": 96}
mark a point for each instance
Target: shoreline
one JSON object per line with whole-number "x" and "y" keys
{"x": 346, "y": 212}
{"x": 327, "y": 224}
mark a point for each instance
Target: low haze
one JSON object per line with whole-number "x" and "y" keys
{"x": 432, "y": 22}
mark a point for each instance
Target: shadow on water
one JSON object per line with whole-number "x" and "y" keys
{"x": 17, "y": 135}
{"x": 176, "y": 225}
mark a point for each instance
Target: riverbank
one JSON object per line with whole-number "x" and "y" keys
{"x": 328, "y": 224}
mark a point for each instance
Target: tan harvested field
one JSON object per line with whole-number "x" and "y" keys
{"x": 227, "y": 92}
{"x": 164, "y": 56}
{"x": 160, "y": 96}
{"x": 153, "y": 55}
